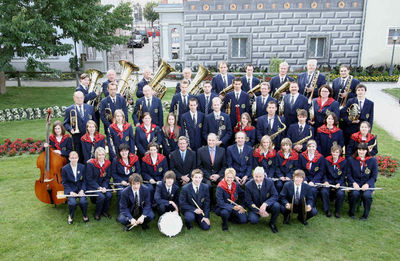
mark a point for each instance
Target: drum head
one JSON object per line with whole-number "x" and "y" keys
{"x": 170, "y": 224}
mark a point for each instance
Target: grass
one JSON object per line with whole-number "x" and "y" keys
{"x": 394, "y": 92}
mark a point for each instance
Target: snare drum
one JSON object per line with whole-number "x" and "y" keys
{"x": 170, "y": 224}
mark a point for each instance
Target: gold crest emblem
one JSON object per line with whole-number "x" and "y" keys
{"x": 290, "y": 166}
{"x": 269, "y": 162}
{"x": 127, "y": 138}
{"x": 247, "y": 139}
{"x": 155, "y": 110}
{"x": 339, "y": 172}
{"x": 200, "y": 125}
{"x": 223, "y": 127}
{"x": 202, "y": 200}
{"x": 367, "y": 115}
{"x": 243, "y": 106}
{"x": 367, "y": 171}
{"x": 133, "y": 169}
{"x": 246, "y": 158}
{"x": 160, "y": 170}
{"x": 64, "y": 148}
{"x": 316, "y": 168}
{"x": 90, "y": 117}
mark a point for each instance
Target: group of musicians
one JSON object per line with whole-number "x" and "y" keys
{"x": 245, "y": 155}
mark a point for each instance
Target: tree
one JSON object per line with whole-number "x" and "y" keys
{"x": 37, "y": 29}
{"x": 149, "y": 13}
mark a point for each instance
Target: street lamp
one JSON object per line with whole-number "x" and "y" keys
{"x": 395, "y": 37}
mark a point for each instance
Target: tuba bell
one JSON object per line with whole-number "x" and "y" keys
{"x": 194, "y": 86}
{"x": 284, "y": 88}
{"x": 354, "y": 112}
{"x": 94, "y": 75}
{"x": 127, "y": 69}
{"x": 163, "y": 70}
{"x": 226, "y": 90}
{"x": 254, "y": 89}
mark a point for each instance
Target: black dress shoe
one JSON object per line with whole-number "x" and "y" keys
{"x": 189, "y": 226}
{"x": 337, "y": 215}
{"x": 363, "y": 218}
{"x": 224, "y": 226}
{"x": 145, "y": 226}
{"x": 274, "y": 229}
{"x": 106, "y": 215}
{"x": 352, "y": 216}
{"x": 328, "y": 213}
{"x": 85, "y": 219}
{"x": 96, "y": 217}
{"x": 305, "y": 223}
{"x": 126, "y": 228}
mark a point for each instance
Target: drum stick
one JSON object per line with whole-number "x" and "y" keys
{"x": 254, "y": 206}
{"x": 194, "y": 201}
{"x": 236, "y": 204}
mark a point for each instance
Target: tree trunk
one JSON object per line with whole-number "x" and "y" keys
{"x": 3, "y": 89}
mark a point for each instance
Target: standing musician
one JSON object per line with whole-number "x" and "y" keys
{"x": 218, "y": 123}
{"x": 145, "y": 81}
{"x": 286, "y": 163}
{"x": 228, "y": 194}
{"x": 280, "y": 79}
{"x": 135, "y": 204}
{"x": 75, "y": 119}
{"x": 293, "y": 102}
{"x": 363, "y": 136}
{"x": 239, "y": 156}
{"x": 307, "y": 79}
{"x": 261, "y": 102}
{"x": 187, "y": 75}
{"x": 205, "y": 98}
{"x": 59, "y": 141}
{"x": 166, "y": 196}
{"x": 110, "y": 104}
{"x": 361, "y": 175}
{"x": 111, "y": 77}
{"x": 237, "y": 102}
{"x": 150, "y": 104}
{"x": 183, "y": 161}
{"x": 345, "y": 85}
{"x": 120, "y": 132}
{"x": 329, "y": 134}
{"x": 125, "y": 164}
{"x": 180, "y": 101}
{"x": 211, "y": 160}
{"x": 192, "y": 125}
{"x": 262, "y": 199}
{"x": 194, "y": 201}
{"x": 245, "y": 126}
{"x": 223, "y": 79}
{"x": 91, "y": 140}
{"x": 154, "y": 165}
{"x": 296, "y": 197}
{"x": 299, "y": 133}
{"x": 265, "y": 156}
{"x": 271, "y": 124}
{"x": 170, "y": 134}
{"x": 145, "y": 133}
{"x": 83, "y": 86}
{"x": 248, "y": 80}
{"x": 74, "y": 185}
{"x": 98, "y": 178}
{"x": 322, "y": 105}
{"x": 335, "y": 174}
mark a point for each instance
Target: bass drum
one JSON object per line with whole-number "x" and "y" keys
{"x": 170, "y": 224}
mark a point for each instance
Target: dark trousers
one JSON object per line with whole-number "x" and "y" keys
{"x": 366, "y": 197}
{"x": 161, "y": 209}
{"x": 231, "y": 214}
{"x": 297, "y": 208}
{"x": 191, "y": 216}
{"x": 272, "y": 209}
{"x": 102, "y": 202}
{"x": 73, "y": 203}
{"x": 124, "y": 220}
{"x": 338, "y": 194}
{"x": 76, "y": 140}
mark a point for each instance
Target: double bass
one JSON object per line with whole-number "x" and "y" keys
{"x": 50, "y": 165}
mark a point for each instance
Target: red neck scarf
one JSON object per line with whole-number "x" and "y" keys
{"x": 257, "y": 153}
{"x": 120, "y": 133}
{"x": 153, "y": 127}
{"x": 293, "y": 156}
{"x": 225, "y": 187}
{"x": 337, "y": 164}
{"x": 53, "y": 138}
{"x": 132, "y": 158}
{"x": 317, "y": 156}
{"x": 245, "y": 129}
{"x": 147, "y": 159}
{"x": 97, "y": 137}
{"x": 324, "y": 129}
{"x": 326, "y": 104}
{"x": 357, "y": 137}
{"x": 362, "y": 162}
{"x": 96, "y": 163}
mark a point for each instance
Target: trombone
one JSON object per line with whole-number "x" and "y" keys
{"x": 73, "y": 119}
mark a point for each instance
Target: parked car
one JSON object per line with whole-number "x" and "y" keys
{"x": 143, "y": 33}
{"x": 136, "y": 41}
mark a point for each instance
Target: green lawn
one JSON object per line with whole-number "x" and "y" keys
{"x": 394, "y": 91}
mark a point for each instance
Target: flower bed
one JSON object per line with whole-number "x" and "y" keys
{"x": 19, "y": 147}
{"x": 17, "y": 114}
{"x": 387, "y": 165}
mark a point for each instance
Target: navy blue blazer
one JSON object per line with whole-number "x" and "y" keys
{"x": 367, "y": 114}
{"x": 268, "y": 164}
{"x": 253, "y": 195}
{"x": 302, "y": 80}
{"x": 65, "y": 146}
{"x": 161, "y": 194}
{"x": 222, "y": 198}
{"x": 287, "y": 193}
{"x": 211, "y": 126}
{"x": 141, "y": 140}
{"x": 290, "y": 112}
{"x": 155, "y": 172}
{"x": 261, "y": 109}
{"x": 294, "y": 134}
{"x": 177, "y": 99}
{"x": 140, "y": 85}
{"x": 68, "y": 179}
{"x": 180, "y": 167}
{"x": 337, "y": 88}
{"x": 187, "y": 196}
{"x": 104, "y": 86}
{"x": 93, "y": 179}
{"x": 218, "y": 84}
{"x": 245, "y": 85}
{"x": 156, "y": 111}
{"x": 243, "y": 104}
{"x": 127, "y": 138}
{"x": 263, "y": 129}
{"x": 275, "y": 82}
{"x": 336, "y": 175}
{"x": 353, "y": 144}
{"x": 195, "y": 134}
{"x": 120, "y": 103}
{"x": 88, "y": 115}
{"x": 317, "y": 171}
{"x": 242, "y": 164}
{"x": 169, "y": 144}
{"x": 87, "y": 148}
{"x": 324, "y": 142}
{"x": 201, "y": 98}
{"x": 204, "y": 161}
{"x": 287, "y": 169}
{"x": 127, "y": 202}
{"x": 118, "y": 170}
{"x": 319, "y": 116}
{"x": 88, "y": 96}
{"x": 367, "y": 175}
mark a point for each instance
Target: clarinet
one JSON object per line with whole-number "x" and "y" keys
{"x": 221, "y": 123}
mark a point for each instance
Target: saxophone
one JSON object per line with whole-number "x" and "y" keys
{"x": 312, "y": 85}
{"x": 305, "y": 139}
{"x": 280, "y": 130}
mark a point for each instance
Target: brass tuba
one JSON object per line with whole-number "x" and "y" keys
{"x": 284, "y": 88}
{"x": 354, "y": 112}
{"x": 163, "y": 70}
{"x": 194, "y": 86}
{"x": 226, "y": 90}
{"x": 94, "y": 75}
{"x": 127, "y": 69}
{"x": 254, "y": 89}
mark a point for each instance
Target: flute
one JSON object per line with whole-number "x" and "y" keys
{"x": 236, "y": 204}
{"x": 98, "y": 190}
{"x": 329, "y": 186}
{"x": 62, "y": 195}
{"x": 197, "y": 206}
{"x": 348, "y": 188}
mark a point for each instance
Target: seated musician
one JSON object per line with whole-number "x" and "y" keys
{"x": 296, "y": 197}
{"x": 322, "y": 105}
{"x": 145, "y": 133}
{"x": 84, "y": 80}
{"x": 192, "y": 125}
{"x": 111, "y": 77}
{"x": 228, "y": 194}
{"x": 329, "y": 134}
{"x": 299, "y": 133}
{"x": 262, "y": 199}
{"x": 248, "y": 80}
{"x": 187, "y": 76}
{"x": 293, "y": 102}
{"x": 143, "y": 82}
{"x": 265, "y": 156}
{"x": 223, "y": 79}
{"x": 154, "y": 165}
{"x": 239, "y": 156}
{"x": 335, "y": 174}
{"x": 91, "y": 140}
{"x": 125, "y": 164}
{"x": 261, "y": 101}
{"x": 120, "y": 132}
{"x": 306, "y": 79}
{"x": 205, "y": 98}
{"x": 194, "y": 201}
{"x": 170, "y": 134}
{"x": 73, "y": 180}
{"x": 59, "y": 141}
{"x": 183, "y": 161}
{"x": 361, "y": 175}
{"x": 245, "y": 126}
{"x": 280, "y": 79}
{"x": 135, "y": 204}
{"x": 98, "y": 178}
{"x": 363, "y": 136}
{"x": 150, "y": 104}
{"x": 271, "y": 124}
{"x": 286, "y": 163}
{"x": 166, "y": 196}
{"x": 180, "y": 101}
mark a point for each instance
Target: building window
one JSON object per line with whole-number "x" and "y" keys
{"x": 90, "y": 53}
{"x": 316, "y": 47}
{"x": 175, "y": 43}
{"x": 239, "y": 48}
{"x": 390, "y": 35}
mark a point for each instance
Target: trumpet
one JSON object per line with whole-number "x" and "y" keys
{"x": 74, "y": 121}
